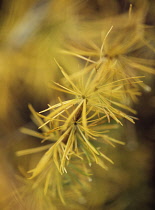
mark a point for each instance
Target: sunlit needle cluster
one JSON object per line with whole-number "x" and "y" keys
{"x": 97, "y": 98}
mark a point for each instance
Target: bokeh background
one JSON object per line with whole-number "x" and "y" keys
{"x": 32, "y": 33}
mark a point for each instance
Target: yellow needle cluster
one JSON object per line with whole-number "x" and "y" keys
{"x": 96, "y": 98}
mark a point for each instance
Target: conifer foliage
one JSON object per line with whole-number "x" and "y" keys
{"x": 95, "y": 99}
{"x": 98, "y": 67}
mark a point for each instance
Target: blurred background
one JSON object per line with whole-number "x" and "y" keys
{"x": 32, "y": 34}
